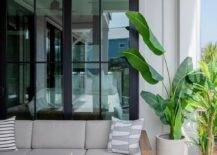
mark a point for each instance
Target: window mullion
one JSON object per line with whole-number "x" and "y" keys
{"x": 67, "y": 57}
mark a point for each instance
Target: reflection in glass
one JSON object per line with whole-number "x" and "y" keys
{"x": 53, "y": 43}
{"x": 115, "y": 72}
{"x": 85, "y": 30}
{"x": 85, "y": 84}
{"x": 94, "y": 85}
{"x": 114, "y": 24}
{"x": 19, "y": 31}
{"x": 19, "y": 90}
{"x": 49, "y": 24}
{"x": 49, "y": 102}
{"x": 115, "y": 91}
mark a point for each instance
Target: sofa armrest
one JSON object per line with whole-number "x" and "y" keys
{"x": 145, "y": 145}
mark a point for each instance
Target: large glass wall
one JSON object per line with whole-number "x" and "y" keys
{"x": 100, "y": 76}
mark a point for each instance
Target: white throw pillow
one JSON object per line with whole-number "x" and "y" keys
{"x": 7, "y": 134}
{"x": 124, "y": 136}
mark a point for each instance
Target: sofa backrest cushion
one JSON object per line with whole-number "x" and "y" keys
{"x": 58, "y": 134}
{"x": 97, "y": 133}
{"x": 23, "y": 134}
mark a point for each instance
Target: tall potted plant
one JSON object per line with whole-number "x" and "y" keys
{"x": 171, "y": 110}
{"x": 204, "y": 99}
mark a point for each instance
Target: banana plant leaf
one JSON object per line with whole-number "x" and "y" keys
{"x": 179, "y": 84}
{"x": 185, "y": 67}
{"x": 139, "y": 63}
{"x": 142, "y": 27}
{"x": 177, "y": 127}
{"x": 157, "y": 103}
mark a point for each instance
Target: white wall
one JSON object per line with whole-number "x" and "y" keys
{"x": 164, "y": 19}
{"x": 189, "y": 19}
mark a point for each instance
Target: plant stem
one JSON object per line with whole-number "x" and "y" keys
{"x": 210, "y": 145}
{"x": 165, "y": 88}
{"x": 168, "y": 72}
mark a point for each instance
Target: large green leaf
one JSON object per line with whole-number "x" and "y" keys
{"x": 157, "y": 103}
{"x": 196, "y": 77}
{"x": 139, "y": 63}
{"x": 177, "y": 128}
{"x": 180, "y": 84}
{"x": 179, "y": 78}
{"x": 142, "y": 27}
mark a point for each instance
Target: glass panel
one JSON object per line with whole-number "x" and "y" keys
{"x": 20, "y": 31}
{"x": 85, "y": 30}
{"x": 53, "y": 43}
{"x": 19, "y": 90}
{"x": 114, "y": 24}
{"x": 85, "y": 84}
{"x": 115, "y": 90}
{"x": 115, "y": 73}
{"x": 49, "y": 102}
{"x": 49, "y": 30}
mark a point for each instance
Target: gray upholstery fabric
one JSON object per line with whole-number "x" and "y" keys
{"x": 58, "y": 134}
{"x": 18, "y": 152}
{"x": 100, "y": 152}
{"x": 97, "y": 133}
{"x": 57, "y": 152}
{"x": 23, "y": 134}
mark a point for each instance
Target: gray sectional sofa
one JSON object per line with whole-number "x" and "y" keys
{"x": 65, "y": 138}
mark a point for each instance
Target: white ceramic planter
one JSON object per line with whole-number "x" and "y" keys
{"x": 165, "y": 146}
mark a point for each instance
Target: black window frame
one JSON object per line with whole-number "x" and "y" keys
{"x": 67, "y": 57}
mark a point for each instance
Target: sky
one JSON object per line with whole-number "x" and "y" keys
{"x": 208, "y": 22}
{"x": 119, "y": 19}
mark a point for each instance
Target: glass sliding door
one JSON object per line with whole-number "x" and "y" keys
{"x": 115, "y": 70}
{"x": 56, "y": 68}
{"x": 100, "y": 35}
{"x": 49, "y": 101}
{"x": 85, "y": 59}
{"x": 19, "y": 55}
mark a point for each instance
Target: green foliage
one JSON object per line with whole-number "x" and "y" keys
{"x": 138, "y": 62}
{"x": 204, "y": 98}
{"x": 172, "y": 110}
{"x": 157, "y": 103}
{"x": 142, "y": 27}
{"x": 210, "y": 53}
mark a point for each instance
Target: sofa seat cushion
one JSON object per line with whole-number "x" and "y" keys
{"x": 101, "y": 130}
{"x": 57, "y": 152}
{"x": 100, "y": 152}
{"x": 16, "y": 152}
{"x": 58, "y": 134}
{"x": 23, "y": 134}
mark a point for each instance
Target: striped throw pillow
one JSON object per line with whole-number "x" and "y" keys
{"x": 124, "y": 136}
{"x": 7, "y": 134}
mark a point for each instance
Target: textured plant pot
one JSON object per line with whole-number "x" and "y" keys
{"x": 166, "y": 146}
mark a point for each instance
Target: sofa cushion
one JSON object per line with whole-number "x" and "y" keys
{"x": 23, "y": 134}
{"x": 58, "y": 134}
{"x": 16, "y": 152}
{"x": 97, "y": 133}
{"x": 58, "y": 152}
{"x": 100, "y": 152}
{"x": 125, "y": 135}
